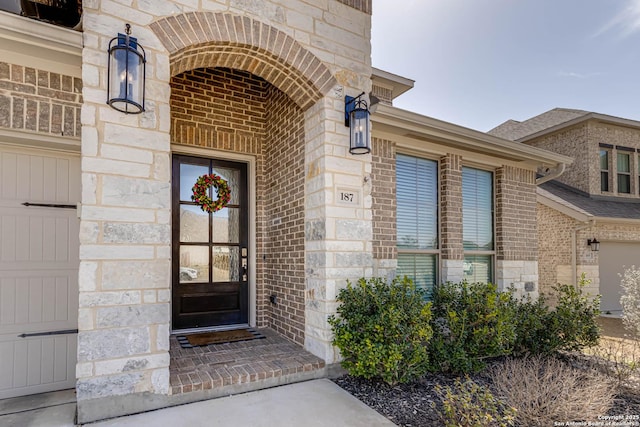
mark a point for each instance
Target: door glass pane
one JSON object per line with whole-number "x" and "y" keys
{"x": 194, "y": 224}
{"x": 420, "y": 268}
{"x": 478, "y": 268}
{"x": 226, "y": 264}
{"x": 232, "y": 176}
{"x": 194, "y": 264}
{"x": 188, "y": 176}
{"x": 226, "y": 225}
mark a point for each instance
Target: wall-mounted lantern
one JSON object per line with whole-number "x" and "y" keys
{"x": 126, "y": 73}
{"x": 594, "y": 244}
{"x": 356, "y": 118}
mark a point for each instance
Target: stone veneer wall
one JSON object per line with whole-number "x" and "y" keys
{"x": 284, "y": 214}
{"x": 383, "y": 193}
{"x": 39, "y": 101}
{"x": 316, "y": 53}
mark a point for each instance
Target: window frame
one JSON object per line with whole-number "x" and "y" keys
{"x": 607, "y": 171}
{"x": 436, "y": 252}
{"x": 483, "y": 252}
{"x": 620, "y": 174}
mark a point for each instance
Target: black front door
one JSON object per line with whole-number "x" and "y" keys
{"x": 210, "y": 250}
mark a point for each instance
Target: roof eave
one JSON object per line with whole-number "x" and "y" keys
{"x": 407, "y": 123}
{"x": 589, "y": 116}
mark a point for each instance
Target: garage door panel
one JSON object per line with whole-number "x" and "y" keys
{"x": 36, "y": 365}
{"x": 34, "y": 234}
{"x": 38, "y": 302}
{"x": 614, "y": 258}
{"x": 39, "y": 260}
{"x": 39, "y": 177}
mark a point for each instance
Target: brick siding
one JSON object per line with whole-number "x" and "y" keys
{"x": 383, "y": 192}
{"x": 233, "y": 110}
{"x": 361, "y": 5}
{"x": 39, "y": 101}
{"x": 284, "y": 177}
{"x": 516, "y": 226}
{"x": 199, "y": 39}
{"x": 451, "y": 207}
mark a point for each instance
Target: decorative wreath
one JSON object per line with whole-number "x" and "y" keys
{"x": 201, "y": 189}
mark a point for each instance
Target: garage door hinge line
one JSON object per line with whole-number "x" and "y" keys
{"x": 49, "y": 205}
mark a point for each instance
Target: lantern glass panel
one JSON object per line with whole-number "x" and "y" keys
{"x": 360, "y": 136}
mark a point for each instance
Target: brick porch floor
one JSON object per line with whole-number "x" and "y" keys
{"x": 269, "y": 361}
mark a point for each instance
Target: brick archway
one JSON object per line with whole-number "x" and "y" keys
{"x": 210, "y": 39}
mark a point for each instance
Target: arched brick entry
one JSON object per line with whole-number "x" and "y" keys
{"x": 207, "y": 39}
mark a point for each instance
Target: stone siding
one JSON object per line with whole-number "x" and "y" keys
{"x": 39, "y": 101}
{"x": 315, "y": 53}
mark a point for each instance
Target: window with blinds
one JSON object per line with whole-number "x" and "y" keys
{"x": 417, "y": 219}
{"x": 477, "y": 224}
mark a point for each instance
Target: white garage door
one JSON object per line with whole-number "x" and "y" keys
{"x": 614, "y": 258}
{"x": 38, "y": 270}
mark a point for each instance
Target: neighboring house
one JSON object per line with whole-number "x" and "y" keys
{"x": 597, "y": 197}
{"x": 254, "y": 91}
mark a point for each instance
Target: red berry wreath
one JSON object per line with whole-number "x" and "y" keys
{"x": 201, "y": 189}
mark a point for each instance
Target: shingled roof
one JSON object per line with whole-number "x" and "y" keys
{"x": 603, "y": 207}
{"x": 515, "y": 130}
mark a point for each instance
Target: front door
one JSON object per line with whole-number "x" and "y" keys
{"x": 210, "y": 271}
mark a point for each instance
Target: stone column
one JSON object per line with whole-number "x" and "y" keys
{"x": 125, "y": 236}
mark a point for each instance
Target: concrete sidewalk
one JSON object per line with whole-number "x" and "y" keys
{"x": 312, "y": 403}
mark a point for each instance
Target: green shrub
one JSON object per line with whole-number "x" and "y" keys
{"x": 572, "y": 325}
{"x": 471, "y": 322}
{"x": 468, "y": 404}
{"x": 382, "y": 329}
{"x": 576, "y": 316}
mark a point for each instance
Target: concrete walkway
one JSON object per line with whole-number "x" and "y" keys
{"x": 316, "y": 403}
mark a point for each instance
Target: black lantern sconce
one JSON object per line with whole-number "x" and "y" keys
{"x": 126, "y": 73}
{"x": 356, "y": 118}
{"x": 594, "y": 244}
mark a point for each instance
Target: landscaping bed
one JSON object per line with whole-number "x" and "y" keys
{"x": 417, "y": 404}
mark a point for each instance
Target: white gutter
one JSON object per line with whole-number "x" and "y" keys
{"x": 553, "y": 174}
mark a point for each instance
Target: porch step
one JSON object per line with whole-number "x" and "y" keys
{"x": 224, "y": 369}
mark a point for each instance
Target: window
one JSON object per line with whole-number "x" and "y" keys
{"x": 477, "y": 224}
{"x": 604, "y": 170}
{"x": 417, "y": 219}
{"x": 624, "y": 173}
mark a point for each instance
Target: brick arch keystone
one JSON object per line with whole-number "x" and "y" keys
{"x": 218, "y": 39}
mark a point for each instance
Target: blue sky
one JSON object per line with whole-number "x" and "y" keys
{"x": 477, "y": 63}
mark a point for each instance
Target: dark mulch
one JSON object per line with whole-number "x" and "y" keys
{"x": 417, "y": 404}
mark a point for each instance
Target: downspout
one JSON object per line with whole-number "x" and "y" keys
{"x": 552, "y": 174}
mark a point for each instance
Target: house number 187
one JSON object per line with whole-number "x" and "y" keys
{"x": 346, "y": 197}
